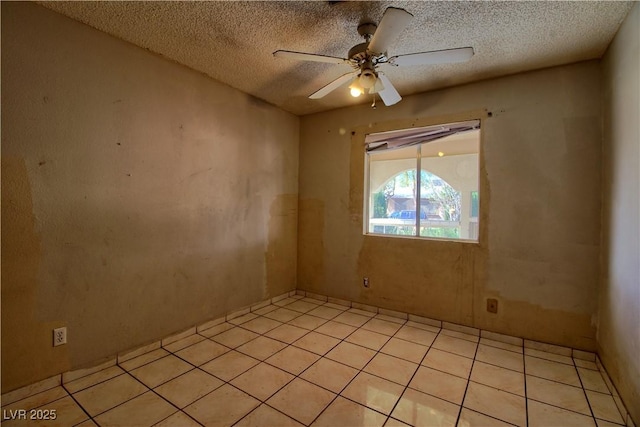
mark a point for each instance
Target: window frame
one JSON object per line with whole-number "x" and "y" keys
{"x": 366, "y": 205}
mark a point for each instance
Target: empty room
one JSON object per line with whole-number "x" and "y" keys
{"x": 320, "y": 213}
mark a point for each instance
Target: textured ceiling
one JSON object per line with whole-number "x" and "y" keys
{"x": 233, "y": 41}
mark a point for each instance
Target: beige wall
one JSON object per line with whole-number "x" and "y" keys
{"x": 138, "y": 197}
{"x": 619, "y": 297}
{"x": 540, "y": 189}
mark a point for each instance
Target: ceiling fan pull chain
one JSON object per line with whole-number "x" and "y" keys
{"x": 373, "y": 105}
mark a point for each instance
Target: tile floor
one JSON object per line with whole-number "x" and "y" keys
{"x": 302, "y": 361}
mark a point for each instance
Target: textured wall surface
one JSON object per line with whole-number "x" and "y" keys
{"x": 619, "y": 296}
{"x": 540, "y": 185}
{"x": 138, "y": 197}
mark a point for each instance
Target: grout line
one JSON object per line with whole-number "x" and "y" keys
{"x": 466, "y": 388}
{"x": 584, "y": 391}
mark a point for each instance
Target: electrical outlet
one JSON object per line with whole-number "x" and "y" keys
{"x": 365, "y": 282}
{"x": 59, "y": 336}
{"x": 492, "y": 305}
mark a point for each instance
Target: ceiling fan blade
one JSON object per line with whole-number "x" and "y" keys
{"x": 446, "y": 56}
{"x": 333, "y": 85}
{"x": 393, "y": 22}
{"x": 389, "y": 94}
{"x": 301, "y": 56}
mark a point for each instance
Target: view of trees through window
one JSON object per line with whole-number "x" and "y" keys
{"x": 398, "y": 200}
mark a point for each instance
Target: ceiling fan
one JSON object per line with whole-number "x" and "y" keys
{"x": 365, "y": 58}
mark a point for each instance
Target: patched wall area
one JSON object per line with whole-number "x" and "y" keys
{"x": 540, "y": 186}
{"x": 138, "y": 196}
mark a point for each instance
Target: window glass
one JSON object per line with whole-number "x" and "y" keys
{"x": 442, "y": 201}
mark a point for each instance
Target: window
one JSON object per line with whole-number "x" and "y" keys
{"x": 442, "y": 200}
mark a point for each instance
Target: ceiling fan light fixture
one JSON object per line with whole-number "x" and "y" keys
{"x": 356, "y": 89}
{"x": 368, "y": 79}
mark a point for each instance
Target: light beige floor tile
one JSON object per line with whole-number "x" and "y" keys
{"x": 548, "y": 356}
{"x": 450, "y": 363}
{"x": 496, "y": 403}
{"x": 362, "y": 312}
{"x": 261, "y": 325}
{"x": 266, "y": 416}
{"x": 391, "y": 368}
{"x": 286, "y": 301}
{"x": 287, "y": 333}
{"x": 439, "y": 384}
{"x": 184, "y": 342}
{"x": 416, "y": 335}
{"x": 108, "y": 394}
{"x": 215, "y": 330}
{"x": 93, "y": 379}
{"x": 423, "y": 326}
{"x": 405, "y": 350}
{"x": 557, "y": 394}
{"x": 307, "y": 322}
{"x": 496, "y": 377}
{"x": 234, "y": 337}
{"x": 90, "y": 423}
{"x": 336, "y": 329}
{"x": 420, "y": 409}
{"x": 604, "y": 407}
{"x": 266, "y": 309}
{"x": 229, "y": 365}
{"x": 585, "y": 364}
{"x": 336, "y": 306}
{"x": 66, "y": 410}
{"x": 321, "y": 299}
{"x": 455, "y": 345}
{"x": 552, "y": 370}
{"x": 325, "y": 312}
{"x": 179, "y": 419}
{"x": 392, "y": 422}
{"x": 351, "y": 319}
{"x": 144, "y": 410}
{"x": 502, "y": 345}
{"x": 222, "y": 407}
{"x": 602, "y": 423}
{"x": 500, "y": 357}
{"x": 351, "y": 354}
{"x": 202, "y": 352}
{"x": 37, "y": 400}
{"x": 369, "y": 339}
{"x": 293, "y": 360}
{"x": 242, "y": 319}
{"x": 262, "y": 381}
{"x": 382, "y": 326}
{"x": 283, "y": 315}
{"x": 543, "y": 415}
{"x": 373, "y": 392}
{"x": 331, "y": 375}
{"x": 261, "y": 348}
{"x": 592, "y": 380}
{"x": 302, "y": 306}
{"x": 461, "y": 335}
{"x": 143, "y": 359}
{"x": 187, "y": 388}
{"x": 317, "y": 343}
{"x": 160, "y": 371}
{"x": 301, "y": 400}
{"x": 469, "y": 418}
{"x": 343, "y": 412}
{"x": 400, "y": 319}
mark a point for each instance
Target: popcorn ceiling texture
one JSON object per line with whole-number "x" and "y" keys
{"x": 233, "y": 41}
